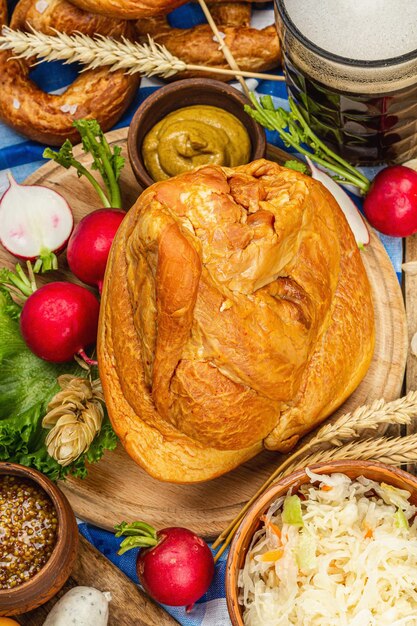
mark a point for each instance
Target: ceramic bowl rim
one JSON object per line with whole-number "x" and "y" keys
{"x": 258, "y": 146}
{"x": 281, "y": 487}
{"x": 64, "y": 517}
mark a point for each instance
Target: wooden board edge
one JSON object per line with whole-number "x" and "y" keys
{"x": 93, "y": 569}
{"x": 410, "y": 295}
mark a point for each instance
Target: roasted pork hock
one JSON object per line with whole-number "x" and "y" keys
{"x": 236, "y": 315}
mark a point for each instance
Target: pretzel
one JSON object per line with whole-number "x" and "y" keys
{"x": 65, "y": 17}
{"x": 98, "y": 94}
{"x": 134, "y": 9}
{"x": 231, "y": 13}
{"x": 3, "y": 12}
{"x": 254, "y": 50}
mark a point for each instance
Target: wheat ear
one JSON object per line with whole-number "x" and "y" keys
{"x": 149, "y": 59}
{"x": 389, "y": 450}
{"x": 347, "y": 427}
{"x": 367, "y": 418}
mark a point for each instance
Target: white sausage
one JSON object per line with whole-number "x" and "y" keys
{"x": 81, "y": 606}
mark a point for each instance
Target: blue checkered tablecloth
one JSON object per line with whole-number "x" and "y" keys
{"x": 23, "y": 156}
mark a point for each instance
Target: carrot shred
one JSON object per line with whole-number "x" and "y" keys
{"x": 326, "y": 488}
{"x": 271, "y": 556}
{"x": 272, "y": 527}
{"x": 369, "y": 533}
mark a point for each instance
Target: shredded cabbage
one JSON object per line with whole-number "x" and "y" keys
{"x": 351, "y": 562}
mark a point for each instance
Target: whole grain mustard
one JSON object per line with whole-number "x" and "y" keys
{"x": 28, "y": 530}
{"x": 193, "y": 136}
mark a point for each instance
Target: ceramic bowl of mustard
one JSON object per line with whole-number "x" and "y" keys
{"x": 190, "y": 123}
{"x": 38, "y": 539}
{"x": 252, "y": 520}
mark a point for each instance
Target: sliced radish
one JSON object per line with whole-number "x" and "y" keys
{"x": 35, "y": 223}
{"x": 355, "y": 220}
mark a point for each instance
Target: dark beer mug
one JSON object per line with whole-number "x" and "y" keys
{"x": 366, "y": 110}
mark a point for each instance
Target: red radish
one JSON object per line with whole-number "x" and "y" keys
{"x": 175, "y": 568}
{"x": 391, "y": 203}
{"x": 59, "y": 320}
{"x": 35, "y": 223}
{"x": 89, "y": 245}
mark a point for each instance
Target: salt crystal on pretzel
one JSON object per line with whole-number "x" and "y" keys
{"x": 41, "y": 6}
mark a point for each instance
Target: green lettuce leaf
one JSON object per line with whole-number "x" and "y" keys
{"x": 27, "y": 385}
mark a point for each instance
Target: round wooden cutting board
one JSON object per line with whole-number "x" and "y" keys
{"x": 117, "y": 489}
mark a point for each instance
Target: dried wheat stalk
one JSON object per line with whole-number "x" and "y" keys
{"x": 338, "y": 437}
{"x": 149, "y": 59}
{"x": 389, "y": 450}
{"x": 367, "y": 418}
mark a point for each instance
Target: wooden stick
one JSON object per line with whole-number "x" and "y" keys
{"x": 224, "y": 47}
{"x": 246, "y": 74}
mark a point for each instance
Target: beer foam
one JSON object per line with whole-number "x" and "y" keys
{"x": 364, "y": 30}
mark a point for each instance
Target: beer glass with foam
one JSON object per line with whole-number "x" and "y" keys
{"x": 351, "y": 65}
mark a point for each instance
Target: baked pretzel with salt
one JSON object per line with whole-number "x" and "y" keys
{"x": 255, "y": 50}
{"x": 134, "y": 9}
{"x": 95, "y": 94}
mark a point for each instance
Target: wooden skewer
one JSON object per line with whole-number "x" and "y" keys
{"x": 219, "y": 70}
{"x": 223, "y": 46}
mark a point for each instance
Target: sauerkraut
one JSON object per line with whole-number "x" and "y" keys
{"x": 337, "y": 552}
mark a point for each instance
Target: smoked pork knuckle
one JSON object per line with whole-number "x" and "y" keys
{"x": 236, "y": 315}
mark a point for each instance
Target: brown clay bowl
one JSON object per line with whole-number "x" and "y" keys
{"x": 49, "y": 580}
{"x": 251, "y": 522}
{"x": 184, "y": 93}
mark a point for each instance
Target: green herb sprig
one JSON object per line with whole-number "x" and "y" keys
{"x": 295, "y": 132}
{"x": 109, "y": 163}
{"x": 138, "y": 535}
{"x": 17, "y": 283}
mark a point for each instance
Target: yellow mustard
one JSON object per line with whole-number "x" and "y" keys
{"x": 193, "y": 136}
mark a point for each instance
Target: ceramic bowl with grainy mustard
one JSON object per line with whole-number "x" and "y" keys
{"x": 332, "y": 543}
{"x": 38, "y": 539}
{"x": 190, "y": 123}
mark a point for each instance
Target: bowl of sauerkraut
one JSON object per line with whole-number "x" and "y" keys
{"x": 334, "y": 544}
